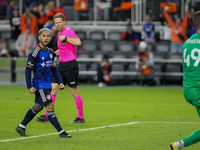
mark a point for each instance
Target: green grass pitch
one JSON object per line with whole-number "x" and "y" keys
{"x": 157, "y": 116}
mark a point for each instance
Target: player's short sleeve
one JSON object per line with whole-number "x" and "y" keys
{"x": 71, "y": 33}
{"x": 32, "y": 60}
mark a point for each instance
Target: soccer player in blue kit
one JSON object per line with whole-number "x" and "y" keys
{"x": 41, "y": 62}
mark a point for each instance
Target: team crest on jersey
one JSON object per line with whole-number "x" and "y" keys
{"x": 63, "y": 44}
{"x": 51, "y": 56}
{"x": 49, "y": 97}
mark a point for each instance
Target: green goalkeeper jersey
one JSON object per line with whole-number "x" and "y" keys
{"x": 191, "y": 61}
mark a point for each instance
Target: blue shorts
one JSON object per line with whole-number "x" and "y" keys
{"x": 43, "y": 97}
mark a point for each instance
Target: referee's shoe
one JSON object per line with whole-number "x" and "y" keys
{"x": 42, "y": 118}
{"x": 78, "y": 120}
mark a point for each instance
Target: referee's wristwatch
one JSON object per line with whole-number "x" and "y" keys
{"x": 65, "y": 38}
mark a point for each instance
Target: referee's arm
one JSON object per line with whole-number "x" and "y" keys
{"x": 73, "y": 41}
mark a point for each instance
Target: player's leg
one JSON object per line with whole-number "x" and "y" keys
{"x": 79, "y": 104}
{"x": 54, "y": 90}
{"x": 191, "y": 95}
{"x": 192, "y": 139}
{"x": 54, "y": 121}
{"x": 52, "y": 118}
{"x": 28, "y": 117}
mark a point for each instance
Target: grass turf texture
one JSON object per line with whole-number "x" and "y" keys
{"x": 158, "y": 111}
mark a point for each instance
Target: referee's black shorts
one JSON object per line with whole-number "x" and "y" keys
{"x": 69, "y": 73}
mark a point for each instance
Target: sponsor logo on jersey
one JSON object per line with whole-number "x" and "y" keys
{"x": 43, "y": 58}
{"x": 48, "y": 63}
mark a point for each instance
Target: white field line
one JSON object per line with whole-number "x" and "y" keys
{"x": 30, "y": 137}
{"x": 169, "y": 122}
{"x": 102, "y": 127}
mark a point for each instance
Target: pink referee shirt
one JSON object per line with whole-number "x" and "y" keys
{"x": 68, "y": 51}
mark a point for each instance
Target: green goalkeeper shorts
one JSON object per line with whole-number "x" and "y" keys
{"x": 192, "y": 96}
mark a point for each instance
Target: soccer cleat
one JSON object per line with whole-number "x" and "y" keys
{"x": 65, "y": 135}
{"x": 21, "y": 131}
{"x": 42, "y": 118}
{"x": 78, "y": 120}
{"x": 175, "y": 146}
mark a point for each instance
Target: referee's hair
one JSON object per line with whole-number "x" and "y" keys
{"x": 44, "y": 29}
{"x": 59, "y": 15}
{"x": 196, "y": 19}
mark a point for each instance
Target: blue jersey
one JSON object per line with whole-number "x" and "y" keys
{"x": 149, "y": 30}
{"x": 41, "y": 63}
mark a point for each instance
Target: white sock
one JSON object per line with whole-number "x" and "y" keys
{"x": 181, "y": 144}
{"x": 21, "y": 125}
{"x": 61, "y": 132}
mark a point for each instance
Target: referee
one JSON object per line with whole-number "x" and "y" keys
{"x": 68, "y": 67}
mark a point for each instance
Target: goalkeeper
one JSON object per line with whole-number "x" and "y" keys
{"x": 191, "y": 80}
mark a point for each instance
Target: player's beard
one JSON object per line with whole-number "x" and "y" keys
{"x": 44, "y": 44}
